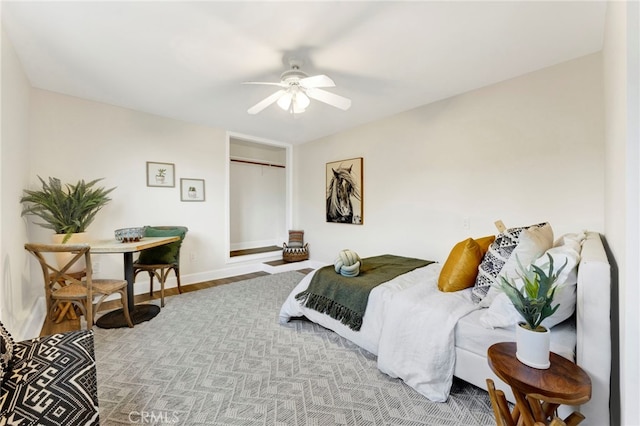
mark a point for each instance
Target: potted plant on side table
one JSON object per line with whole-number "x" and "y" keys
{"x": 66, "y": 209}
{"x": 533, "y": 300}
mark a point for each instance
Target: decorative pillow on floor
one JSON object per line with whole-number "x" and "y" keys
{"x": 494, "y": 260}
{"x": 461, "y": 267}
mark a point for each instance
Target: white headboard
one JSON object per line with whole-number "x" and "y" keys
{"x": 593, "y": 339}
{"x": 593, "y": 325}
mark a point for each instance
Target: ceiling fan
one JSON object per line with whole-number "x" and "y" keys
{"x": 296, "y": 89}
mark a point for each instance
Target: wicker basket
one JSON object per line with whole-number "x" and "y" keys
{"x": 295, "y": 254}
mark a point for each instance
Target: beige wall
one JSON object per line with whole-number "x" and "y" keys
{"x": 523, "y": 151}
{"x": 17, "y": 294}
{"x": 622, "y": 226}
{"x": 73, "y": 138}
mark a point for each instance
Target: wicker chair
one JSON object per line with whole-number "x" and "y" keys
{"x": 296, "y": 250}
{"x": 159, "y": 261}
{"x": 64, "y": 289}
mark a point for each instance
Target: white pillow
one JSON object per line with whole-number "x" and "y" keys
{"x": 573, "y": 240}
{"x": 501, "y": 313}
{"x": 499, "y": 252}
{"x": 532, "y": 243}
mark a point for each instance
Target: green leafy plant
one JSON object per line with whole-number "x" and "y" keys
{"x": 67, "y": 208}
{"x": 533, "y": 301}
{"x": 161, "y": 173}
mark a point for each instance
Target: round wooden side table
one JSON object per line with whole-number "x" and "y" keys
{"x": 538, "y": 392}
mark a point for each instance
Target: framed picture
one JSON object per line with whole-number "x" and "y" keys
{"x": 191, "y": 189}
{"x": 344, "y": 195}
{"x": 161, "y": 174}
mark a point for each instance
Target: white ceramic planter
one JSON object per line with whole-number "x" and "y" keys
{"x": 533, "y": 347}
{"x": 64, "y": 258}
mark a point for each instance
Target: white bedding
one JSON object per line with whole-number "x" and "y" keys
{"x": 472, "y": 336}
{"x": 417, "y": 340}
{"x": 413, "y": 341}
{"x": 379, "y": 298}
{"x": 414, "y": 329}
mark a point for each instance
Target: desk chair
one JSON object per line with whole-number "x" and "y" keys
{"x": 63, "y": 288}
{"x": 159, "y": 261}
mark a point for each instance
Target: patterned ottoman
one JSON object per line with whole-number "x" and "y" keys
{"x": 49, "y": 380}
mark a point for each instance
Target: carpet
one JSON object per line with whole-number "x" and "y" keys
{"x": 219, "y": 357}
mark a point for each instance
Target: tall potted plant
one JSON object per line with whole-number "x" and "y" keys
{"x": 534, "y": 303}
{"x": 66, "y": 209}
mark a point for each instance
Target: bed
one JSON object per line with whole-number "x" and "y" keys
{"x": 397, "y": 321}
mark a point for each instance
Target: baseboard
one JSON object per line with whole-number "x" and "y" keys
{"x": 33, "y": 325}
{"x": 141, "y": 285}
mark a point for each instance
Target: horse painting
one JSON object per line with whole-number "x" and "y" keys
{"x": 342, "y": 188}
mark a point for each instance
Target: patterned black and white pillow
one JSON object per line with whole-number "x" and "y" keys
{"x": 494, "y": 260}
{"x": 7, "y": 346}
{"x": 61, "y": 367}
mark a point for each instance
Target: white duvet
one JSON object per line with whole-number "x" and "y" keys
{"x": 408, "y": 323}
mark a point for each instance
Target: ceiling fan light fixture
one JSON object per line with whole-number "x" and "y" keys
{"x": 301, "y": 101}
{"x": 294, "y": 101}
{"x": 296, "y": 91}
{"x": 285, "y": 101}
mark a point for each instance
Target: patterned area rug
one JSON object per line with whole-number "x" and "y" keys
{"x": 219, "y": 357}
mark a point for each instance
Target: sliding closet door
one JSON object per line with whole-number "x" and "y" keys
{"x": 257, "y": 195}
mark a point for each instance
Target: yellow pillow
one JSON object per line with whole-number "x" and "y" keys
{"x": 461, "y": 268}
{"x": 485, "y": 242}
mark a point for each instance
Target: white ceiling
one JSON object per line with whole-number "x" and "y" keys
{"x": 187, "y": 60}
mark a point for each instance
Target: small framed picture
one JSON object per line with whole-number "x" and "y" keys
{"x": 191, "y": 189}
{"x": 161, "y": 174}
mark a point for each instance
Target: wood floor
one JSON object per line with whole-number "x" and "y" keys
{"x": 256, "y": 250}
{"x": 50, "y": 327}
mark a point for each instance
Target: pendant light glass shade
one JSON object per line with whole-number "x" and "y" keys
{"x": 294, "y": 101}
{"x": 285, "y": 101}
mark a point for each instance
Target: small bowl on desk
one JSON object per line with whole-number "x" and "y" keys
{"x": 129, "y": 235}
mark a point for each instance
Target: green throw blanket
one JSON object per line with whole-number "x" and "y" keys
{"x": 345, "y": 298}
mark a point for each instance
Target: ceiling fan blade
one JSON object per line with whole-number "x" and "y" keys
{"x": 329, "y": 98}
{"x": 317, "y": 81}
{"x": 266, "y": 102}
{"x": 266, "y": 83}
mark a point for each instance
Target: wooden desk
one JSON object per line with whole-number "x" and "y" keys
{"x": 139, "y": 313}
{"x": 539, "y": 392}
